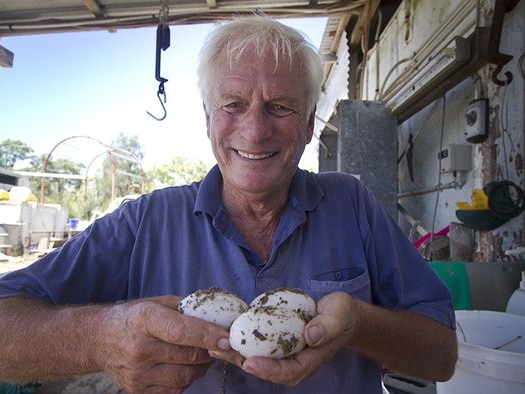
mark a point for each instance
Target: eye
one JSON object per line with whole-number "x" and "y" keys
{"x": 233, "y": 107}
{"x": 279, "y": 109}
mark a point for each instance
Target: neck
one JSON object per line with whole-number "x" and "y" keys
{"x": 256, "y": 218}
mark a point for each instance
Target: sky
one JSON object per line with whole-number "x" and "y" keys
{"x": 101, "y": 84}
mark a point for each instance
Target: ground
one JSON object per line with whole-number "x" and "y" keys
{"x": 89, "y": 384}
{"x": 9, "y": 263}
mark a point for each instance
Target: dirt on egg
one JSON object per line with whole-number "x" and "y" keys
{"x": 272, "y": 325}
{"x": 213, "y": 305}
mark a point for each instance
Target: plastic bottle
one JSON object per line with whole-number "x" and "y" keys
{"x": 516, "y": 303}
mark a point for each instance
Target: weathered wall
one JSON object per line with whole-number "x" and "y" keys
{"x": 441, "y": 123}
{"x": 498, "y": 158}
{"x": 417, "y": 33}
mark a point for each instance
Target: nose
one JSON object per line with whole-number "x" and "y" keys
{"x": 256, "y": 125}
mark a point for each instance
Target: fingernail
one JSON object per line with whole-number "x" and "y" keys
{"x": 314, "y": 335}
{"x": 223, "y": 344}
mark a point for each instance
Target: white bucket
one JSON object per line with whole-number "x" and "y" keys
{"x": 491, "y": 354}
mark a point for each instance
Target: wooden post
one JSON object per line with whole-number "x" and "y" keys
{"x": 6, "y": 57}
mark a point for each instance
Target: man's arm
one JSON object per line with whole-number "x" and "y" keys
{"x": 405, "y": 341}
{"x": 142, "y": 343}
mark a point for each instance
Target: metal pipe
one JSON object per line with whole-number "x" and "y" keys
{"x": 327, "y": 124}
{"x": 110, "y": 150}
{"x": 439, "y": 187}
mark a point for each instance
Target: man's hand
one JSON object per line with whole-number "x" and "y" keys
{"x": 146, "y": 345}
{"x": 325, "y": 334}
{"x": 404, "y": 341}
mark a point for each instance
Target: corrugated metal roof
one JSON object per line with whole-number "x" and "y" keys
{"x": 26, "y": 17}
{"x": 19, "y": 17}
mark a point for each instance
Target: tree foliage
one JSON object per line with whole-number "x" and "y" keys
{"x": 63, "y": 191}
{"x": 12, "y": 151}
{"x": 120, "y": 172}
{"x": 179, "y": 171}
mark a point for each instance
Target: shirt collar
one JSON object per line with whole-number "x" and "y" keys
{"x": 305, "y": 192}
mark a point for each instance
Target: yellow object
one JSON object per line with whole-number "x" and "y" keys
{"x": 4, "y": 195}
{"x": 32, "y": 198}
{"x": 479, "y": 199}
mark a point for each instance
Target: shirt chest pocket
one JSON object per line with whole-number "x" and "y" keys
{"x": 352, "y": 280}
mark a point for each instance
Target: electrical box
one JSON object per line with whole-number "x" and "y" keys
{"x": 476, "y": 117}
{"x": 456, "y": 157}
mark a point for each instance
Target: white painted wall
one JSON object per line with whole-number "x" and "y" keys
{"x": 336, "y": 87}
{"x": 418, "y": 31}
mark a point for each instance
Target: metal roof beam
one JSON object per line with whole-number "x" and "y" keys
{"x": 363, "y": 24}
{"x": 212, "y": 4}
{"x": 95, "y": 8}
{"x": 6, "y": 57}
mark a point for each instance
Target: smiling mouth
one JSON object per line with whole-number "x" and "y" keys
{"x": 252, "y": 156}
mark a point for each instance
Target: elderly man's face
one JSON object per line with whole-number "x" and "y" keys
{"x": 258, "y": 123}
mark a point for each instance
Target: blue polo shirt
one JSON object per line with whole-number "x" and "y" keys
{"x": 332, "y": 236}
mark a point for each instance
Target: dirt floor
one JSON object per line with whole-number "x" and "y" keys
{"x": 10, "y": 263}
{"x": 98, "y": 383}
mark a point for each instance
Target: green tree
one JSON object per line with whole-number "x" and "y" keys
{"x": 63, "y": 191}
{"x": 12, "y": 151}
{"x": 179, "y": 171}
{"x": 121, "y": 163}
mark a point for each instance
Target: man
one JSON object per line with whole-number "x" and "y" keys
{"x": 106, "y": 301}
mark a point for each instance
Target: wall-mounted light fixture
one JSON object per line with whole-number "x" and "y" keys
{"x": 435, "y": 68}
{"x": 424, "y": 79}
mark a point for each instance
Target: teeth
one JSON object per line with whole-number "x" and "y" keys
{"x": 251, "y": 156}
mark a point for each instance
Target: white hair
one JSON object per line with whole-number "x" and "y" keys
{"x": 262, "y": 35}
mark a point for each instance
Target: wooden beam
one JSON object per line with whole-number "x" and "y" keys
{"x": 363, "y": 24}
{"x": 6, "y": 57}
{"x": 94, "y": 8}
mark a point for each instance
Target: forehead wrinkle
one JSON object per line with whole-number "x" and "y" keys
{"x": 241, "y": 84}
{"x": 277, "y": 97}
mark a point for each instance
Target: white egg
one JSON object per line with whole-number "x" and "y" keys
{"x": 290, "y": 299}
{"x": 213, "y": 305}
{"x": 268, "y": 332}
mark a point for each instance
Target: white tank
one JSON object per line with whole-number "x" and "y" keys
{"x": 516, "y": 303}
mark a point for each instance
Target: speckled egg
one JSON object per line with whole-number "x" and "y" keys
{"x": 268, "y": 332}
{"x": 213, "y": 305}
{"x": 288, "y": 298}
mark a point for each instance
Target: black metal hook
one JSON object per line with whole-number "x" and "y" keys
{"x": 163, "y": 43}
{"x": 162, "y": 100}
{"x": 501, "y": 7}
{"x": 497, "y": 80}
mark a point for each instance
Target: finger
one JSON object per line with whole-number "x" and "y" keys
{"x": 169, "y": 301}
{"x": 160, "y": 378}
{"x": 288, "y": 371}
{"x": 176, "y": 376}
{"x": 337, "y": 315}
{"x": 163, "y": 352}
{"x": 231, "y": 356}
{"x": 173, "y": 327}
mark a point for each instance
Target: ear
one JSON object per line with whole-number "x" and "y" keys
{"x": 207, "y": 115}
{"x": 310, "y": 126}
